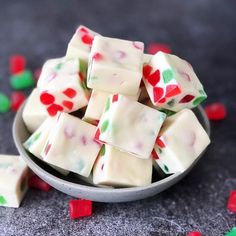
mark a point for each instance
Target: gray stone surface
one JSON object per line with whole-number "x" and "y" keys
{"x": 201, "y": 31}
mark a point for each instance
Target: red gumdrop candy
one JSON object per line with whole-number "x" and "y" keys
{"x": 37, "y": 74}
{"x": 17, "y": 64}
{"x": 216, "y": 111}
{"x": 80, "y": 208}
{"x": 17, "y": 98}
{"x": 37, "y": 183}
{"x": 153, "y": 48}
{"x": 194, "y": 233}
{"x": 232, "y": 201}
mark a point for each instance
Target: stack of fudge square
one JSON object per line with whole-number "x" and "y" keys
{"x": 135, "y": 112}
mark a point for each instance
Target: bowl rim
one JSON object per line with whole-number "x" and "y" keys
{"x": 78, "y": 186}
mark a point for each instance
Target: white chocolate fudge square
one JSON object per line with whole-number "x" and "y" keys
{"x": 71, "y": 145}
{"x": 36, "y": 142}
{"x": 171, "y": 83}
{"x": 34, "y": 112}
{"x": 80, "y": 44}
{"x": 62, "y": 85}
{"x": 130, "y": 126}
{"x": 97, "y": 104}
{"x": 14, "y": 175}
{"x": 181, "y": 140}
{"x": 116, "y": 168}
{"x": 115, "y": 65}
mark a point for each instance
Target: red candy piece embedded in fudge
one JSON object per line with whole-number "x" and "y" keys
{"x": 158, "y": 93}
{"x": 17, "y": 64}
{"x": 47, "y": 98}
{"x": 70, "y": 92}
{"x": 97, "y": 56}
{"x": 37, "y": 183}
{"x": 17, "y": 98}
{"x": 153, "y": 48}
{"x": 80, "y": 208}
{"x": 187, "y": 98}
{"x": 232, "y": 201}
{"x": 53, "y": 109}
{"x": 194, "y": 233}
{"x": 216, "y": 111}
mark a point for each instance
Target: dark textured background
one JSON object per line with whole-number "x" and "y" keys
{"x": 202, "y": 31}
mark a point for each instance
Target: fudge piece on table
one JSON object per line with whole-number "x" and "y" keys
{"x": 14, "y": 175}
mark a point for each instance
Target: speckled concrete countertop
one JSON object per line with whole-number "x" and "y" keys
{"x": 201, "y": 31}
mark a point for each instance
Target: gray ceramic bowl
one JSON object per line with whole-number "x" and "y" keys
{"x": 76, "y": 187}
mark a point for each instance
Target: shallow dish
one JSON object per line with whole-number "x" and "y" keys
{"x": 76, "y": 187}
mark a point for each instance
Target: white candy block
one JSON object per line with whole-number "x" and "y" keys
{"x": 62, "y": 85}
{"x": 181, "y": 140}
{"x": 171, "y": 83}
{"x": 80, "y": 44}
{"x": 120, "y": 169}
{"x": 115, "y": 65}
{"x": 14, "y": 175}
{"x": 34, "y": 112}
{"x": 36, "y": 142}
{"x": 97, "y": 104}
{"x": 130, "y": 126}
{"x": 71, "y": 145}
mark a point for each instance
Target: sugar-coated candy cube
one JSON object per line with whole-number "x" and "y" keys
{"x": 14, "y": 175}
{"x": 181, "y": 140}
{"x": 34, "y": 112}
{"x": 80, "y": 44}
{"x": 5, "y": 103}
{"x": 194, "y": 233}
{"x": 130, "y": 126}
{"x": 153, "y": 48}
{"x": 171, "y": 83}
{"x": 22, "y": 80}
{"x": 36, "y": 142}
{"x": 232, "y": 232}
{"x": 115, "y": 65}
{"x": 17, "y": 99}
{"x": 231, "y": 205}
{"x": 17, "y": 64}
{"x": 62, "y": 85}
{"x": 80, "y": 208}
{"x": 216, "y": 111}
{"x": 97, "y": 104}
{"x": 121, "y": 169}
{"x": 71, "y": 145}
{"x": 37, "y": 183}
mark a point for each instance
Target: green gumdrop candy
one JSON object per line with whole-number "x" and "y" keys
{"x": 23, "y": 80}
{"x": 5, "y": 103}
{"x": 232, "y": 232}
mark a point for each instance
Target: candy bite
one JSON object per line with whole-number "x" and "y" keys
{"x": 115, "y": 65}
{"x": 181, "y": 140}
{"x": 80, "y": 208}
{"x": 80, "y": 44}
{"x": 17, "y": 64}
{"x": 14, "y": 175}
{"x": 71, "y": 145}
{"x": 62, "y": 85}
{"x": 97, "y": 104}
{"x": 5, "y": 103}
{"x": 130, "y": 126}
{"x": 22, "y": 80}
{"x": 34, "y": 112}
{"x": 171, "y": 83}
{"x": 116, "y": 168}
{"x": 36, "y": 142}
